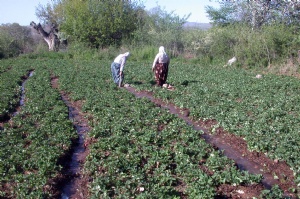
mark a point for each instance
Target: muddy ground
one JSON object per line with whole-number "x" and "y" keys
{"x": 75, "y": 184}
{"x": 235, "y": 148}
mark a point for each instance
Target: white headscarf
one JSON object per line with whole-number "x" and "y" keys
{"x": 121, "y": 57}
{"x": 161, "y": 57}
{"x": 161, "y": 50}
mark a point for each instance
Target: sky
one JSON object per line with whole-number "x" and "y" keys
{"x": 23, "y": 11}
{"x": 184, "y": 7}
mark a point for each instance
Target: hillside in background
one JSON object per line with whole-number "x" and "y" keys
{"x": 203, "y": 26}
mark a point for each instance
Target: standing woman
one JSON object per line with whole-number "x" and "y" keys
{"x": 161, "y": 66}
{"x": 117, "y": 68}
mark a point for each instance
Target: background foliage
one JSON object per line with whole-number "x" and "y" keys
{"x": 263, "y": 39}
{"x": 14, "y": 40}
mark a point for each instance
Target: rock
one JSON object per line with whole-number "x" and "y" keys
{"x": 258, "y": 76}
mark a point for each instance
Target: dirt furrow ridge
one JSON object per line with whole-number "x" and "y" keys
{"x": 233, "y": 147}
{"x": 74, "y": 183}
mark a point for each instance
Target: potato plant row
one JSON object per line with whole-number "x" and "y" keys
{"x": 140, "y": 150}
{"x": 34, "y": 141}
{"x": 11, "y": 74}
{"x": 264, "y": 111}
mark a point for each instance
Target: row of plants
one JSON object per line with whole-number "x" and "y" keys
{"x": 35, "y": 140}
{"x": 12, "y": 74}
{"x": 141, "y": 150}
{"x": 264, "y": 111}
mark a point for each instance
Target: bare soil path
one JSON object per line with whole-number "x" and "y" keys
{"x": 235, "y": 148}
{"x": 73, "y": 183}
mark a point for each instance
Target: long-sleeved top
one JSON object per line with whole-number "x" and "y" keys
{"x": 160, "y": 58}
{"x": 121, "y": 59}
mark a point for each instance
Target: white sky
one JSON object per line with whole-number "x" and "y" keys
{"x": 184, "y": 7}
{"x": 23, "y": 11}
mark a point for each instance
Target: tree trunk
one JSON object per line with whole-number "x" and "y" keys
{"x": 51, "y": 38}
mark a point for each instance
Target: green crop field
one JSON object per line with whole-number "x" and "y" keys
{"x": 140, "y": 150}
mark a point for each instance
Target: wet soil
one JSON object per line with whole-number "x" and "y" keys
{"x": 73, "y": 184}
{"x": 6, "y": 118}
{"x": 235, "y": 148}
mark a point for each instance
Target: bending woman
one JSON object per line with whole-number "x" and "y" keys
{"x": 161, "y": 66}
{"x": 117, "y": 68}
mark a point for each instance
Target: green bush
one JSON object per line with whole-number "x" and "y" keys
{"x": 271, "y": 45}
{"x": 14, "y": 40}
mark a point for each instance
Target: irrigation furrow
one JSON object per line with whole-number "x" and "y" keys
{"x": 74, "y": 180}
{"x": 8, "y": 116}
{"x": 249, "y": 161}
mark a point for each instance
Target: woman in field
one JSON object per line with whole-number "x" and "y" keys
{"x": 117, "y": 68}
{"x": 161, "y": 66}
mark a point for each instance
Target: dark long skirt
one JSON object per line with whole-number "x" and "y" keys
{"x": 161, "y": 73}
{"x": 115, "y": 72}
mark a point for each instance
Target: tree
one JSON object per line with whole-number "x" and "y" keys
{"x": 50, "y": 37}
{"x": 51, "y": 13}
{"x": 162, "y": 28}
{"x": 223, "y": 16}
{"x": 97, "y": 23}
{"x": 256, "y": 12}
{"x": 14, "y": 40}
